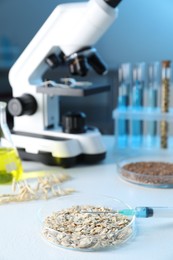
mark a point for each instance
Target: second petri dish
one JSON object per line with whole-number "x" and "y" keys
{"x": 151, "y": 171}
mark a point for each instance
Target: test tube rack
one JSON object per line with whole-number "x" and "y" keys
{"x": 146, "y": 140}
{"x": 146, "y": 125}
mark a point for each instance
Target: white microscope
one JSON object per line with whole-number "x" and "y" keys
{"x": 66, "y": 37}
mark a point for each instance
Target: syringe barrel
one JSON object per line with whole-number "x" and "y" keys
{"x": 156, "y": 212}
{"x": 163, "y": 212}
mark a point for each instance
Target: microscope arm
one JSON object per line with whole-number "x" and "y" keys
{"x": 68, "y": 29}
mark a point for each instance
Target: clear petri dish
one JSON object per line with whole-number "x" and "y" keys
{"x": 85, "y": 222}
{"x": 148, "y": 170}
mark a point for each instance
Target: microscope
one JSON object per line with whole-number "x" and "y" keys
{"x": 67, "y": 37}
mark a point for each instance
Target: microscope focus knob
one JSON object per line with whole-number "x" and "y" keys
{"x": 24, "y": 105}
{"x": 74, "y": 123}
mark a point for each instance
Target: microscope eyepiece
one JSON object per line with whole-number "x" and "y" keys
{"x": 113, "y": 3}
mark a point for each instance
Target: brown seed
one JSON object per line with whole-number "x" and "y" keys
{"x": 149, "y": 172}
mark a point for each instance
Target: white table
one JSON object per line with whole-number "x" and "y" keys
{"x": 20, "y": 229}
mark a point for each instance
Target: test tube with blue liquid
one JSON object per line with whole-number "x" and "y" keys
{"x": 137, "y": 103}
{"x": 154, "y": 80}
{"x": 124, "y": 75}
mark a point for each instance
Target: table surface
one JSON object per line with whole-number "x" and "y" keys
{"x": 20, "y": 228}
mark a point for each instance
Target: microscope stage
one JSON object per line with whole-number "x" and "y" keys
{"x": 72, "y": 91}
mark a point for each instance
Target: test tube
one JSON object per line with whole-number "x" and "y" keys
{"x": 137, "y": 103}
{"x": 124, "y": 75}
{"x": 154, "y": 73}
{"x": 165, "y": 102}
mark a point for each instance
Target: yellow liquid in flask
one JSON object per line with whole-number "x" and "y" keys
{"x": 10, "y": 165}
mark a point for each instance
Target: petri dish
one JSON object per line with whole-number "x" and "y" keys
{"x": 147, "y": 170}
{"x": 85, "y": 222}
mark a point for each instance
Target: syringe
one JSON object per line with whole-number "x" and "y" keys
{"x": 140, "y": 212}
{"x": 146, "y": 212}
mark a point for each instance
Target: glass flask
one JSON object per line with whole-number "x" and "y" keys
{"x": 10, "y": 162}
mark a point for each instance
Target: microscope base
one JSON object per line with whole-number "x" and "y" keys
{"x": 66, "y": 150}
{"x": 48, "y": 159}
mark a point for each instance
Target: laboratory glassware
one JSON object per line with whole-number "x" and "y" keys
{"x": 154, "y": 78}
{"x": 10, "y": 163}
{"x": 165, "y": 102}
{"x": 137, "y": 102}
{"x": 124, "y": 76}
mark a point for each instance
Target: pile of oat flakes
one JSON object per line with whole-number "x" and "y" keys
{"x": 77, "y": 227}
